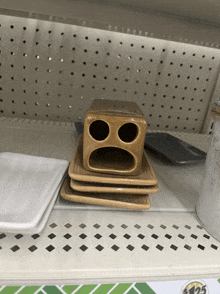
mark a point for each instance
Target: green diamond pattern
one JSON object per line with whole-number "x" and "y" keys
{"x": 129, "y": 288}
{"x": 70, "y": 289}
{"x": 29, "y": 290}
{"x": 132, "y": 291}
{"x": 86, "y": 289}
{"x": 144, "y": 288}
{"x": 120, "y": 289}
{"x": 52, "y": 290}
{"x": 9, "y": 290}
{"x": 137, "y": 288}
{"x": 103, "y": 289}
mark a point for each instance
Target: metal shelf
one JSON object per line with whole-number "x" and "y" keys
{"x": 88, "y": 244}
{"x": 80, "y": 246}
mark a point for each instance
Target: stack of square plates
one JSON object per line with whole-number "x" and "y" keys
{"x": 131, "y": 192}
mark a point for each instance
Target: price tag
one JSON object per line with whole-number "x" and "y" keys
{"x": 195, "y": 287}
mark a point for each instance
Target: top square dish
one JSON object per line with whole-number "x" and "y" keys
{"x": 147, "y": 176}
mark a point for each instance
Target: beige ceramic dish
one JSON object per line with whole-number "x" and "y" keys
{"x": 135, "y": 202}
{"x": 147, "y": 176}
{"x": 114, "y": 134}
{"x": 107, "y": 188}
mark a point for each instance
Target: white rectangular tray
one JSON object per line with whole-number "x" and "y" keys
{"x": 28, "y": 184}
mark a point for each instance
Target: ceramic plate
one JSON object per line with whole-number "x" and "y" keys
{"x": 108, "y": 188}
{"x": 147, "y": 176}
{"x": 136, "y": 202}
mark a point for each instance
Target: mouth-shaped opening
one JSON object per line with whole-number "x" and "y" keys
{"x": 111, "y": 158}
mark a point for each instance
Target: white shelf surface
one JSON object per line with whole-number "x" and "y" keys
{"x": 90, "y": 244}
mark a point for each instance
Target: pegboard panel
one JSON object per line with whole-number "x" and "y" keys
{"x": 53, "y": 71}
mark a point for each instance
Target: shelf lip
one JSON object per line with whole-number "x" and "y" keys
{"x": 54, "y": 282}
{"x": 106, "y": 280}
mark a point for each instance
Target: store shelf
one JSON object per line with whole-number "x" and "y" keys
{"x": 54, "y": 62}
{"x": 89, "y": 244}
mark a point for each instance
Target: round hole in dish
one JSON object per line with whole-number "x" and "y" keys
{"x": 99, "y": 130}
{"x": 128, "y": 132}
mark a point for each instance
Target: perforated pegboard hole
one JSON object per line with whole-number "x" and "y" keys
{"x": 53, "y": 225}
{"x": 50, "y": 248}
{"x": 51, "y": 236}
{"x": 82, "y": 236}
{"x": 124, "y": 226}
{"x": 154, "y": 236}
{"x": 15, "y": 248}
{"x": 33, "y": 248}
{"x": 163, "y": 227}
{"x": 83, "y": 248}
{"x": 18, "y": 236}
{"x": 112, "y": 236}
{"x": 67, "y": 236}
{"x": 201, "y": 247}
{"x": 168, "y": 236}
{"x": 206, "y": 236}
{"x": 35, "y": 236}
{"x": 98, "y": 236}
{"x": 150, "y": 226}
{"x": 214, "y": 246}
{"x": 115, "y": 247}
{"x": 181, "y": 236}
{"x": 199, "y": 227}
{"x": 175, "y": 227}
{"x": 67, "y": 248}
{"x": 110, "y": 226}
{"x": 187, "y": 227}
{"x": 173, "y": 247}
{"x": 97, "y": 226}
{"x": 130, "y": 247}
{"x": 2, "y": 236}
{"x": 159, "y": 247}
{"x": 126, "y": 236}
{"x": 145, "y": 247}
{"x": 141, "y": 236}
{"x": 194, "y": 236}
{"x": 187, "y": 247}
{"x": 82, "y": 226}
{"x": 99, "y": 247}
